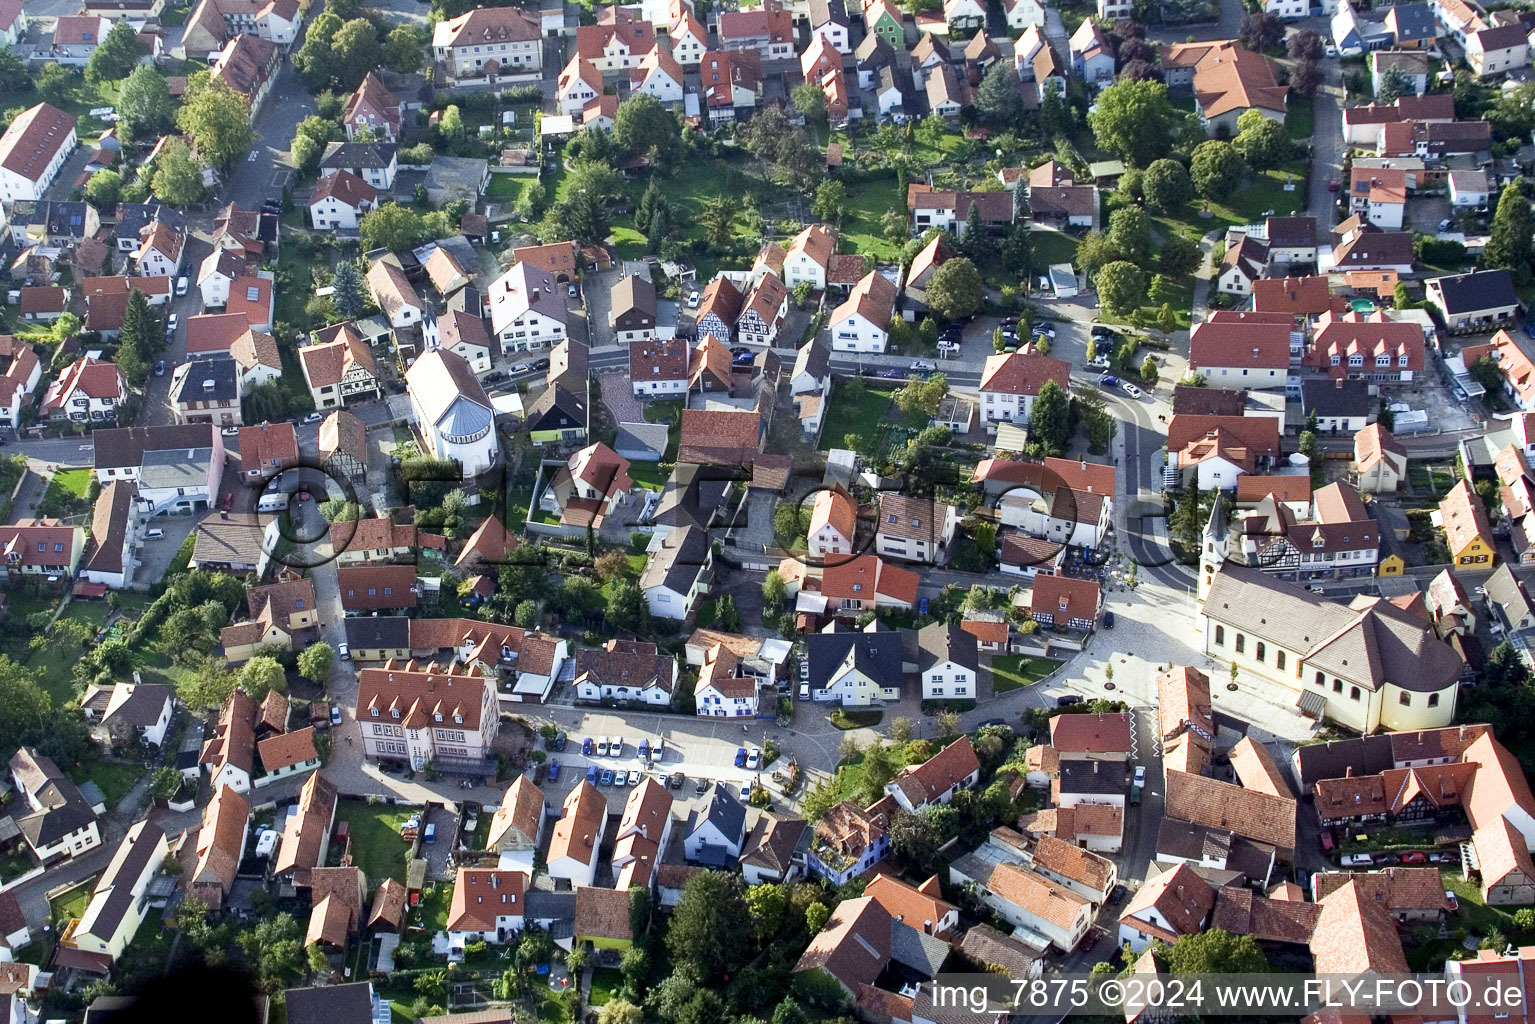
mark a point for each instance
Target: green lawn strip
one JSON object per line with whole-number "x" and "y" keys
{"x": 71, "y": 904}
{"x": 864, "y": 415}
{"x": 1052, "y": 247}
{"x": 1386, "y": 839}
{"x": 113, "y": 778}
{"x": 75, "y": 482}
{"x": 866, "y": 204}
{"x": 855, "y": 719}
{"x": 648, "y": 475}
{"x": 1180, "y": 296}
{"x": 509, "y": 187}
{"x": 607, "y": 982}
{"x": 849, "y": 779}
{"x": 1015, "y": 671}
{"x": 1298, "y": 119}
{"x": 375, "y": 833}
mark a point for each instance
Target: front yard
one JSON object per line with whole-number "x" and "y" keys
{"x": 868, "y": 416}
{"x": 1016, "y": 671}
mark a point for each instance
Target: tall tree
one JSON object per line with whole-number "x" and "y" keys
{"x": 1260, "y": 31}
{"x": 711, "y": 929}
{"x": 140, "y": 338}
{"x": 1121, "y": 288}
{"x": 810, "y": 101}
{"x": 14, "y": 75}
{"x": 54, "y": 83}
{"x": 1000, "y": 98}
{"x": 1262, "y": 141}
{"x": 217, "y": 119}
{"x": 1130, "y": 231}
{"x": 178, "y": 180}
{"x": 115, "y": 56}
{"x": 403, "y": 50}
{"x": 1134, "y": 120}
{"x": 1167, "y": 186}
{"x": 1050, "y": 420}
{"x": 955, "y": 290}
{"x": 642, "y": 127}
{"x": 1217, "y": 169}
{"x": 391, "y": 226}
{"x": 349, "y": 297}
{"x": 314, "y": 662}
{"x": 1393, "y": 85}
{"x": 830, "y": 201}
{"x": 1510, "y": 244}
{"x": 103, "y": 190}
{"x": 144, "y": 107}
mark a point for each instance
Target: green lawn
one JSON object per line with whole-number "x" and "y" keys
{"x": 76, "y": 482}
{"x": 1051, "y": 247}
{"x": 1016, "y": 671}
{"x": 1298, "y": 120}
{"x": 376, "y": 844}
{"x": 866, "y": 204}
{"x": 649, "y": 475}
{"x": 71, "y": 904}
{"x": 849, "y": 779}
{"x": 866, "y": 415}
{"x": 1180, "y": 296}
{"x": 114, "y": 779}
{"x": 55, "y": 661}
{"x": 670, "y": 413}
{"x": 509, "y": 187}
{"x": 855, "y": 719}
{"x": 607, "y": 982}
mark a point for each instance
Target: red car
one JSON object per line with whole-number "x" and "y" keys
{"x": 1415, "y": 857}
{"x": 1332, "y": 186}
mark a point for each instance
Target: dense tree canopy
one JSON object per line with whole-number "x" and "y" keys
{"x": 1134, "y": 120}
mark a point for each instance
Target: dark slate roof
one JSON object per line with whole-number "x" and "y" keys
{"x": 193, "y": 386}
{"x": 1483, "y": 289}
{"x": 133, "y": 216}
{"x": 938, "y": 642}
{"x": 1334, "y": 759}
{"x": 121, "y": 895}
{"x": 557, "y": 908}
{"x": 1413, "y": 22}
{"x": 48, "y": 826}
{"x": 367, "y": 632}
{"x": 331, "y": 1004}
{"x": 878, "y": 654}
{"x": 345, "y": 155}
{"x": 65, "y": 220}
{"x": 1094, "y": 776}
{"x": 143, "y": 706}
{"x": 725, "y": 812}
{"x": 1327, "y": 397}
{"x": 814, "y": 358}
{"x": 557, "y": 409}
{"x": 694, "y": 494}
{"x": 874, "y": 52}
{"x": 922, "y": 953}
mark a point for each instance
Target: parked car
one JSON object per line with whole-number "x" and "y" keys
{"x": 701, "y": 787}
{"x": 678, "y": 780}
{"x": 1131, "y": 389}
{"x": 754, "y": 758}
{"x": 804, "y": 691}
{"x": 740, "y": 757}
{"x": 693, "y": 299}
{"x": 1067, "y": 701}
{"x": 345, "y": 651}
{"x": 1326, "y": 840}
{"x": 227, "y": 502}
{"x": 521, "y": 367}
{"x": 586, "y": 747}
{"x": 1108, "y": 620}
{"x": 571, "y": 291}
{"x": 1140, "y": 775}
{"x": 335, "y": 714}
{"x": 616, "y": 748}
{"x": 1117, "y": 893}
{"x": 1046, "y": 328}
{"x": 560, "y": 740}
{"x": 607, "y": 776}
{"x": 1332, "y": 186}
{"x": 1454, "y": 900}
{"x": 991, "y": 721}
{"x": 602, "y": 746}
{"x": 160, "y": 368}
{"x": 1414, "y": 857}
{"x": 922, "y": 366}
{"x": 1386, "y": 860}
{"x": 314, "y": 417}
{"x": 1108, "y": 380}
{"x": 430, "y": 835}
{"x": 172, "y": 324}
{"x": 554, "y": 771}
{"x": 1357, "y": 860}
{"x": 644, "y": 749}
{"x": 745, "y": 792}
{"x": 634, "y": 777}
{"x": 181, "y": 286}
{"x": 230, "y": 432}
{"x": 591, "y": 775}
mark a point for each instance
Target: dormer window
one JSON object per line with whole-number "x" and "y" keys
{"x": 394, "y": 712}
{"x": 437, "y": 717}
{"x": 374, "y": 711}
{"x": 458, "y": 719}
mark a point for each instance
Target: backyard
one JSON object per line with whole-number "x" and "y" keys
{"x": 866, "y": 413}
{"x": 1016, "y": 671}
{"x": 55, "y": 659}
{"x": 375, "y": 838}
{"x": 113, "y": 778}
{"x": 606, "y": 983}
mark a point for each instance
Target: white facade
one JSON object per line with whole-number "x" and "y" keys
{"x": 1288, "y": 9}
{"x": 858, "y": 333}
{"x": 15, "y": 187}
{"x": 948, "y": 680}
{"x": 331, "y": 213}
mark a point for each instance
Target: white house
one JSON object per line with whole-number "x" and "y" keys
{"x": 629, "y": 670}
{"x": 33, "y": 151}
{"x": 487, "y": 906}
{"x": 955, "y": 767}
{"x": 716, "y": 831}
{"x": 120, "y": 899}
{"x": 1023, "y": 13}
{"x": 160, "y": 250}
{"x": 808, "y": 256}
{"x": 1288, "y": 9}
{"x": 1173, "y": 904}
{"x": 1045, "y": 912}
{"x": 577, "y": 841}
{"x": 338, "y": 201}
{"x": 374, "y": 162}
{"x": 677, "y": 572}
{"x": 142, "y": 710}
{"x": 1470, "y": 188}
{"x": 452, "y": 412}
{"x": 659, "y": 75}
{"x": 643, "y": 833}
{"x": 1011, "y": 381}
{"x": 527, "y": 310}
{"x": 946, "y": 662}
{"x": 862, "y": 322}
{"x": 218, "y": 270}
{"x": 579, "y": 84}
{"x": 913, "y": 529}
{"x": 394, "y": 293}
{"x": 833, "y": 518}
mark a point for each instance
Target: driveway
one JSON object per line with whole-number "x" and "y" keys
{"x": 595, "y": 287}
{"x": 618, "y": 398}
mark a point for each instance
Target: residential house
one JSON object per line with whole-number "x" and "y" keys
{"x": 763, "y": 311}
{"x": 677, "y": 573}
{"x": 642, "y": 836}
{"x": 487, "y": 906}
{"x": 849, "y": 840}
{"x": 1467, "y": 532}
{"x": 339, "y": 201}
{"x": 946, "y": 663}
{"x": 338, "y": 367}
{"x": 828, "y": 18}
{"x": 219, "y": 846}
{"x": 52, "y": 815}
{"x": 464, "y": 335}
{"x": 1230, "y": 80}
{"x": 206, "y": 391}
{"x": 120, "y": 898}
{"x": 1043, "y": 913}
{"x": 658, "y": 75}
{"x": 160, "y": 251}
{"x": 1497, "y": 50}
{"x": 719, "y": 309}
{"x": 715, "y": 831}
{"x": 626, "y": 670}
{"x": 579, "y": 84}
{"x": 1217, "y": 450}
{"x": 489, "y": 42}
{"x": 517, "y": 826}
{"x": 370, "y": 589}
{"x": 914, "y": 529}
{"x": 659, "y": 367}
{"x": 248, "y": 65}
{"x": 632, "y": 309}
{"x": 775, "y": 850}
{"x": 87, "y": 390}
{"x": 1175, "y": 903}
{"x": 394, "y": 293}
{"x": 283, "y": 613}
{"x": 1092, "y": 54}
{"x": 1011, "y": 381}
{"x": 862, "y": 322}
{"x": 1020, "y": 14}
{"x": 855, "y": 668}
{"x": 527, "y": 310}
{"x": 557, "y": 416}
{"x": 267, "y": 449}
{"x": 833, "y": 518}
{"x": 425, "y": 713}
{"x": 372, "y": 111}
{"x": 1248, "y": 354}
{"x": 1380, "y": 461}
{"x": 33, "y": 151}
{"x": 767, "y": 29}
{"x": 618, "y": 41}
{"x": 955, "y": 767}
{"x": 1063, "y": 602}
{"x": 1474, "y": 301}
{"x": 689, "y": 37}
{"x": 577, "y": 837}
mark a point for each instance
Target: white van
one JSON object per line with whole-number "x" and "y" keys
{"x": 154, "y": 534}
{"x": 181, "y": 286}
{"x": 272, "y": 501}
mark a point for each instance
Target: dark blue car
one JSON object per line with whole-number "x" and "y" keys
{"x": 591, "y": 775}
{"x": 554, "y": 771}
{"x": 740, "y": 757}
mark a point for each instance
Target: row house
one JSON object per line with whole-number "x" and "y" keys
{"x": 763, "y": 311}
{"x": 527, "y": 309}
{"x": 33, "y": 150}
{"x": 1366, "y": 346}
{"x": 248, "y": 65}
{"x": 489, "y": 42}
{"x": 768, "y": 29}
{"x": 420, "y": 713}
{"x": 338, "y": 367}
{"x": 618, "y": 41}
{"x": 731, "y": 83}
{"x": 862, "y": 322}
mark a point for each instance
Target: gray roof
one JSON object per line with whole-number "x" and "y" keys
{"x": 632, "y": 294}
{"x": 694, "y": 494}
{"x": 938, "y": 642}
{"x": 723, "y": 811}
{"x": 346, "y": 156}
{"x": 874, "y": 52}
{"x": 1484, "y": 289}
{"x": 331, "y": 1004}
{"x": 1102, "y": 777}
{"x": 1328, "y": 397}
{"x": 1507, "y": 594}
{"x": 181, "y": 467}
{"x": 828, "y": 11}
{"x": 124, "y": 447}
{"x": 558, "y": 908}
{"x": 457, "y": 172}
{"x": 813, "y": 358}
{"x": 1413, "y": 22}
{"x": 1370, "y": 641}
{"x": 143, "y": 705}
{"x": 133, "y": 216}
{"x": 48, "y": 826}
{"x": 879, "y": 655}
{"x": 205, "y": 380}
{"x": 920, "y": 952}
{"x": 557, "y": 408}
{"x": 132, "y": 857}
{"x": 678, "y": 562}
{"x": 641, "y": 439}
{"x": 1335, "y": 759}
{"x": 370, "y": 633}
